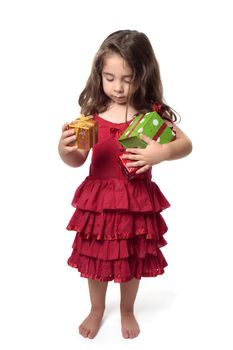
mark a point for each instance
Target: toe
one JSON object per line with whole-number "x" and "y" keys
{"x": 83, "y": 331}
{"x": 80, "y": 329}
{"x": 131, "y": 334}
{"x": 125, "y": 334}
{"x": 91, "y": 335}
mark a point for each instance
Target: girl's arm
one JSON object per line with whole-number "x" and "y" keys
{"x": 70, "y": 154}
{"x": 178, "y": 148}
{"x": 156, "y": 153}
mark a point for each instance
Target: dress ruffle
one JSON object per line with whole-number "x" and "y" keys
{"x": 118, "y": 260}
{"x": 119, "y": 229}
{"x": 122, "y": 270}
{"x": 117, "y": 249}
{"x": 136, "y": 195}
{"x": 111, "y": 224}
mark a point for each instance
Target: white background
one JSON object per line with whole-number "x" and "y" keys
{"x": 47, "y": 49}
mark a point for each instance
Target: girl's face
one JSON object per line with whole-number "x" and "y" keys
{"x": 117, "y": 77}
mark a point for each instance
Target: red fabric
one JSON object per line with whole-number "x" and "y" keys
{"x": 118, "y": 223}
{"x": 130, "y": 172}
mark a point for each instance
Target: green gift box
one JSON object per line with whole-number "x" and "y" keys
{"x": 149, "y": 124}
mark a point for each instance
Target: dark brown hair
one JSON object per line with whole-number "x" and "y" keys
{"x": 135, "y": 48}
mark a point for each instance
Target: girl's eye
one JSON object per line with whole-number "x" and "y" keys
{"x": 110, "y": 78}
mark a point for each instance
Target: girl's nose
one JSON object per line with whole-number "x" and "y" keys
{"x": 118, "y": 87}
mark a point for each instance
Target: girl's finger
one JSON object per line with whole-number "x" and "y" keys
{"x": 134, "y": 150}
{"x": 146, "y": 138}
{"x": 131, "y": 156}
{"x": 69, "y": 140}
{"x": 135, "y": 164}
{"x": 68, "y": 132}
{"x": 143, "y": 169}
{"x": 71, "y": 148}
{"x": 65, "y": 126}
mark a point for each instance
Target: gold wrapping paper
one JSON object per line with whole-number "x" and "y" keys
{"x": 86, "y": 131}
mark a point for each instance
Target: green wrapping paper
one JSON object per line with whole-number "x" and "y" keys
{"x": 149, "y": 124}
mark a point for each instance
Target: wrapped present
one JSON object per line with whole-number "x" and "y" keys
{"x": 149, "y": 124}
{"x": 86, "y": 131}
{"x": 130, "y": 172}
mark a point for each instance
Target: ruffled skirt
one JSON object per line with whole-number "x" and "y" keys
{"x": 119, "y": 229}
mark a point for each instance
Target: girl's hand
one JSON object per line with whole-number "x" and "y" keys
{"x": 154, "y": 153}
{"x": 70, "y": 154}
{"x": 67, "y": 138}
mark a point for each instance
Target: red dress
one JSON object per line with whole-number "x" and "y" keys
{"x": 118, "y": 222}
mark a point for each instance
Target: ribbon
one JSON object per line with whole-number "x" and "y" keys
{"x": 86, "y": 131}
{"x": 115, "y": 131}
{"x": 83, "y": 122}
{"x": 157, "y": 107}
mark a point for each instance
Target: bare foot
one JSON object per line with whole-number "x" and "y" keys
{"x": 90, "y": 326}
{"x": 130, "y": 328}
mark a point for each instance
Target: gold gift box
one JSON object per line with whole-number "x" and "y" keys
{"x": 86, "y": 131}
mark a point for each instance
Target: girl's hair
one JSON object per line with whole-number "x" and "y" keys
{"x": 135, "y": 48}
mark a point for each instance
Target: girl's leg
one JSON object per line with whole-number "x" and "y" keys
{"x": 90, "y": 326}
{"x": 130, "y": 328}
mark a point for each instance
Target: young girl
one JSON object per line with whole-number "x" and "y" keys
{"x": 118, "y": 222}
